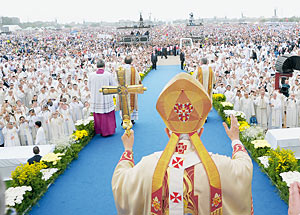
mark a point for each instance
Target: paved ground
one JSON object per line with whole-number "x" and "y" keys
{"x": 172, "y": 60}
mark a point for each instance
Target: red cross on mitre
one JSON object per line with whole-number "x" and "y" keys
{"x": 175, "y": 197}
{"x": 181, "y": 148}
{"x": 177, "y": 162}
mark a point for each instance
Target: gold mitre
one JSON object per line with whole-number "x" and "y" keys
{"x": 184, "y": 104}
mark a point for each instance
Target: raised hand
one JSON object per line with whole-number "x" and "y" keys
{"x": 233, "y": 132}
{"x": 128, "y": 140}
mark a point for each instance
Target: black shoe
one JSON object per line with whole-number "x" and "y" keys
{"x": 206, "y": 121}
{"x": 122, "y": 123}
{"x": 133, "y": 122}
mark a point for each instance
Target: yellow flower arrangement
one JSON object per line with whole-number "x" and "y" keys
{"x": 191, "y": 73}
{"x": 218, "y": 96}
{"x": 260, "y": 144}
{"x": 52, "y": 157}
{"x": 25, "y": 172}
{"x": 79, "y": 134}
{"x": 243, "y": 125}
{"x": 284, "y": 160}
{"x": 142, "y": 74}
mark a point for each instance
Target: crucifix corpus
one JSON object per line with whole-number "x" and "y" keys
{"x": 123, "y": 91}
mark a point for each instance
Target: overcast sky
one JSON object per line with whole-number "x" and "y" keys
{"x": 113, "y": 10}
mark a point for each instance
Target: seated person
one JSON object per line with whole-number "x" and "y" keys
{"x": 36, "y": 157}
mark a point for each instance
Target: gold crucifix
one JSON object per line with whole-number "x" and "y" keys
{"x": 123, "y": 90}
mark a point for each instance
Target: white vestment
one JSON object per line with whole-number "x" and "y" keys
{"x": 69, "y": 126}
{"x": 25, "y": 134}
{"x": 275, "y": 119}
{"x": 291, "y": 114}
{"x": 76, "y": 110}
{"x": 247, "y": 107}
{"x": 11, "y": 137}
{"x": 57, "y": 128}
{"x": 262, "y": 112}
{"x": 101, "y": 103}
{"x": 40, "y": 137}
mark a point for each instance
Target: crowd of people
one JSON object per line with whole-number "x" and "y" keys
{"x": 44, "y": 75}
{"x": 244, "y": 58}
{"x": 44, "y": 80}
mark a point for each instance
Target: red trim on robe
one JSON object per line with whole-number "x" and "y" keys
{"x": 127, "y": 156}
{"x": 238, "y": 148}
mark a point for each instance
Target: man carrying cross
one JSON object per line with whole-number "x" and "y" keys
{"x": 132, "y": 77}
{"x": 102, "y": 106}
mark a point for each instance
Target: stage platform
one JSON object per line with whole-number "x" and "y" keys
{"x": 287, "y": 138}
{"x": 11, "y": 157}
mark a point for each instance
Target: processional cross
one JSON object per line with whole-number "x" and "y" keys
{"x": 123, "y": 91}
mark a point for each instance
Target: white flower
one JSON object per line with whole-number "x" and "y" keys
{"x": 224, "y": 104}
{"x": 79, "y": 122}
{"x": 264, "y": 161}
{"x": 253, "y": 133}
{"x": 47, "y": 173}
{"x": 86, "y": 122}
{"x": 91, "y": 118}
{"x": 290, "y": 177}
{"x": 63, "y": 142}
{"x": 260, "y": 144}
{"x": 15, "y": 195}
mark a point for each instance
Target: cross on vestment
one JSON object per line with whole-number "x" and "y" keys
{"x": 123, "y": 91}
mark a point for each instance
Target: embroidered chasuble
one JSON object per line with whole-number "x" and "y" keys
{"x": 205, "y": 75}
{"x": 184, "y": 178}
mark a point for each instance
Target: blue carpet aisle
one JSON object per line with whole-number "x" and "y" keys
{"x": 85, "y": 188}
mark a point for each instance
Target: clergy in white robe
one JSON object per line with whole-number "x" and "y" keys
{"x": 229, "y": 94}
{"x": 102, "y": 106}
{"x": 291, "y": 112}
{"x": 237, "y": 101}
{"x": 10, "y": 133}
{"x": 76, "y": 107}
{"x": 69, "y": 126}
{"x": 275, "y": 118}
{"x": 25, "y": 132}
{"x": 247, "y": 106}
{"x": 86, "y": 111}
{"x": 56, "y": 123}
{"x": 40, "y": 135}
{"x": 262, "y": 104}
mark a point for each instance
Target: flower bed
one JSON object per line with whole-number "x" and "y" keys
{"x": 280, "y": 165}
{"x": 30, "y": 182}
{"x": 144, "y": 74}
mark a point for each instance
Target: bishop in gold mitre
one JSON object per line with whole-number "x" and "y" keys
{"x": 184, "y": 178}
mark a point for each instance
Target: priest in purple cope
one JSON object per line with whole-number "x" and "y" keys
{"x": 102, "y": 106}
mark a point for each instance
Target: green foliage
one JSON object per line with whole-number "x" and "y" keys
{"x": 30, "y": 175}
{"x": 281, "y": 160}
{"x": 146, "y": 73}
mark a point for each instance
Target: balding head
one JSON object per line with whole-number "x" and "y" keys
{"x": 100, "y": 64}
{"x": 204, "y": 60}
